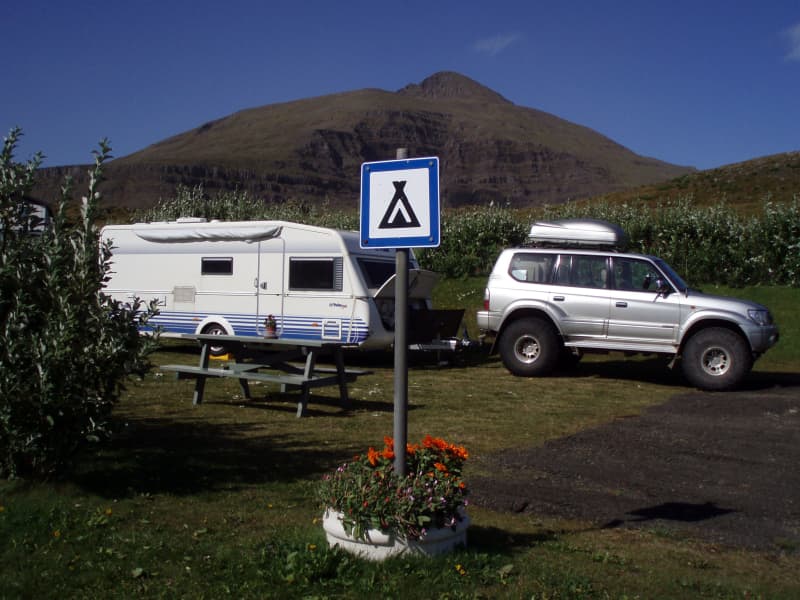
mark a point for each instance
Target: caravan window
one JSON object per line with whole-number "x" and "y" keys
{"x": 315, "y": 274}
{"x": 376, "y": 272}
{"x": 216, "y": 265}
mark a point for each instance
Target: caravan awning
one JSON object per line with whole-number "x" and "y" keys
{"x": 208, "y": 232}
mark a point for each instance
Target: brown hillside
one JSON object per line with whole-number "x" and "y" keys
{"x": 312, "y": 149}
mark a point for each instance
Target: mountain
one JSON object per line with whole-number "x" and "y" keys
{"x": 312, "y": 149}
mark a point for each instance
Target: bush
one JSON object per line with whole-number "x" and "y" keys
{"x": 65, "y": 346}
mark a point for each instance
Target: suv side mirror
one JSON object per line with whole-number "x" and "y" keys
{"x": 662, "y": 287}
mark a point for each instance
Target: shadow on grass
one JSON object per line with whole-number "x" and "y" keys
{"x": 656, "y": 370}
{"x": 635, "y": 369}
{"x": 500, "y": 541}
{"x": 189, "y": 456}
{"x": 286, "y": 402}
{"x": 762, "y": 380}
{"x": 157, "y": 455}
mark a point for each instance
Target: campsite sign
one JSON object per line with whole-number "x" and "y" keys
{"x": 400, "y": 203}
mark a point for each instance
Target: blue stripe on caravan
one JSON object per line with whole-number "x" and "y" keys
{"x": 354, "y": 331}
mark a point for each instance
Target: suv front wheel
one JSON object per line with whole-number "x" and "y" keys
{"x": 716, "y": 359}
{"x": 529, "y": 347}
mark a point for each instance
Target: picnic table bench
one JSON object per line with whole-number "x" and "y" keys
{"x": 252, "y": 355}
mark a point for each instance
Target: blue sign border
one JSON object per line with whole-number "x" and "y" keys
{"x": 431, "y": 163}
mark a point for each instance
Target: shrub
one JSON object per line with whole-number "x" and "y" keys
{"x": 65, "y": 346}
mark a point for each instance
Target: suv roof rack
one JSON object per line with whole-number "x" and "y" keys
{"x": 578, "y": 233}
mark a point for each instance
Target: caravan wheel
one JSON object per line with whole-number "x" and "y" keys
{"x": 215, "y": 329}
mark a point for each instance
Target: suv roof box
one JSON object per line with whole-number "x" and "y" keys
{"x": 578, "y": 232}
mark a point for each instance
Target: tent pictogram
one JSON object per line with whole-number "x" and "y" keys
{"x": 399, "y": 214}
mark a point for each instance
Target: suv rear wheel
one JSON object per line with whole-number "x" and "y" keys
{"x": 529, "y": 347}
{"x": 716, "y": 359}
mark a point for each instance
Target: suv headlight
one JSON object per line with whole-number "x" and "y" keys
{"x": 760, "y": 316}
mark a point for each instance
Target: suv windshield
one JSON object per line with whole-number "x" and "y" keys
{"x": 673, "y": 276}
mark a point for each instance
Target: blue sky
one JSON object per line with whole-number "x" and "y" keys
{"x": 701, "y": 83}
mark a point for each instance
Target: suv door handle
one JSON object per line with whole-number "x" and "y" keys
{"x": 622, "y": 305}
{"x": 558, "y": 298}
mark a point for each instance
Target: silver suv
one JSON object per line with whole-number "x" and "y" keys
{"x": 572, "y": 292}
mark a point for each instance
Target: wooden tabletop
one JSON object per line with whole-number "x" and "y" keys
{"x": 249, "y": 339}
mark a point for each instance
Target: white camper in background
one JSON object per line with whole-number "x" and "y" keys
{"x": 228, "y": 277}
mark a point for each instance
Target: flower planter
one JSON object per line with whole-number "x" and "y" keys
{"x": 378, "y": 545}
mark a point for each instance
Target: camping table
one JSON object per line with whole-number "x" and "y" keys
{"x": 275, "y": 355}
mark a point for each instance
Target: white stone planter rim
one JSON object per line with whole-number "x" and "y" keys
{"x": 379, "y": 545}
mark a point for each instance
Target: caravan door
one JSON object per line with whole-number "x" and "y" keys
{"x": 270, "y": 284}
{"x": 318, "y": 303}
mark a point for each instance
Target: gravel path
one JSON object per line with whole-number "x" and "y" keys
{"x": 723, "y": 467}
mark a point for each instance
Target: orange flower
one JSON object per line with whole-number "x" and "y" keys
{"x": 458, "y": 452}
{"x": 388, "y": 454}
{"x": 372, "y": 456}
{"x": 432, "y": 442}
{"x": 440, "y": 467}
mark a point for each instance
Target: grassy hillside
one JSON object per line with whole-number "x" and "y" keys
{"x": 744, "y": 186}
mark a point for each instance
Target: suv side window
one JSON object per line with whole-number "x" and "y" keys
{"x": 531, "y": 267}
{"x": 582, "y": 270}
{"x": 635, "y": 275}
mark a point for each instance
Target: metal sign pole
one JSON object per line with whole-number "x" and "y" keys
{"x": 409, "y": 220}
{"x": 401, "y": 353}
{"x": 401, "y": 361}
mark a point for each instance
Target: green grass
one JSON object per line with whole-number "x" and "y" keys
{"x": 783, "y": 303}
{"x": 217, "y": 500}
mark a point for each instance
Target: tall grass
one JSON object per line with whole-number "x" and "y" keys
{"x": 706, "y": 244}
{"x": 241, "y": 206}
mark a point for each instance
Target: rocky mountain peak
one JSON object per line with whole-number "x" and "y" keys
{"x": 448, "y": 84}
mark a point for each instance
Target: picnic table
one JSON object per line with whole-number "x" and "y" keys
{"x": 270, "y": 360}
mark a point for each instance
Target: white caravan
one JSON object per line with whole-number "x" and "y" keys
{"x": 229, "y": 277}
